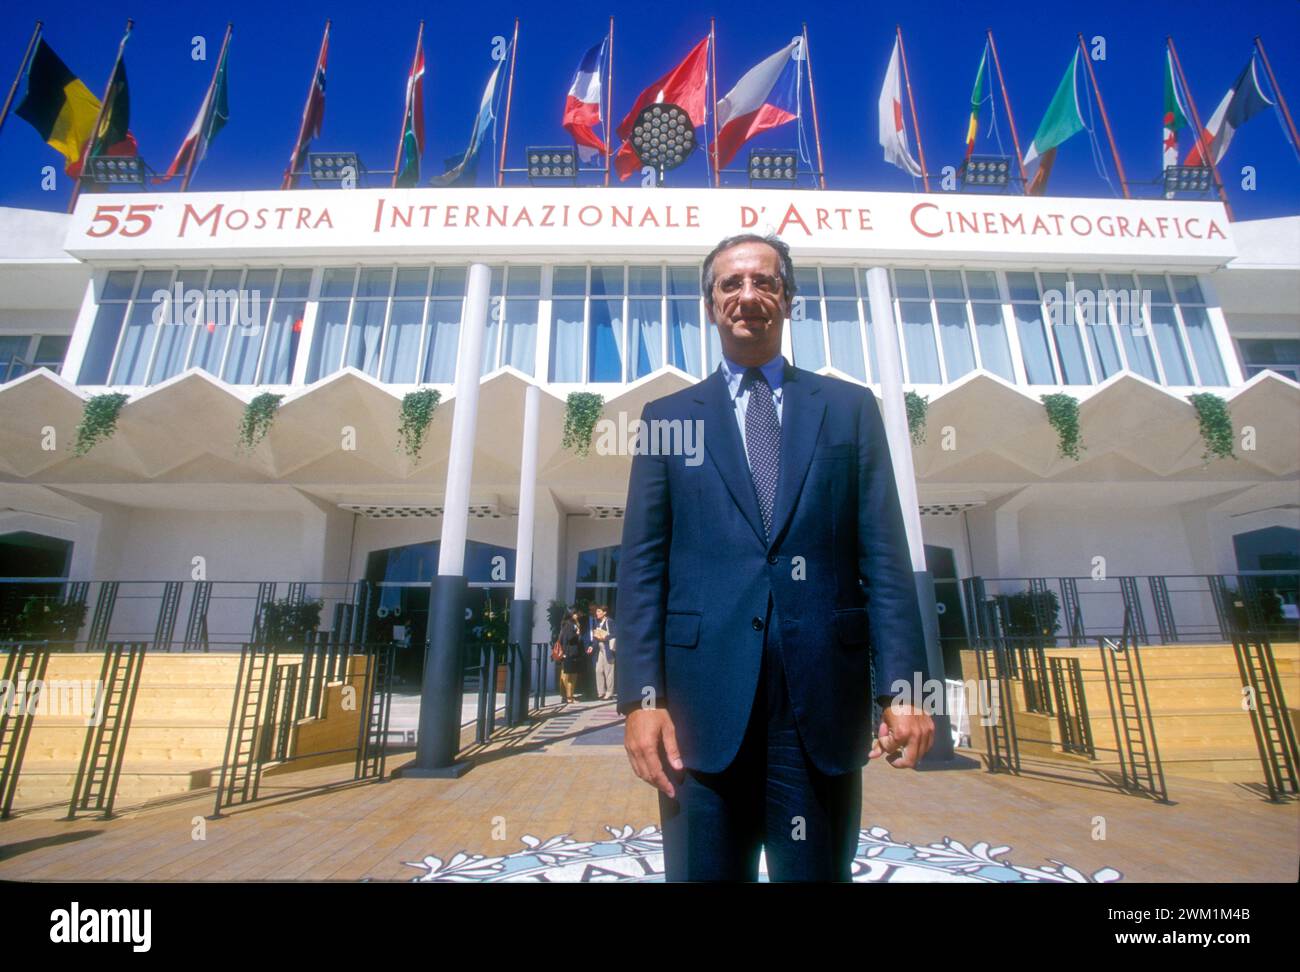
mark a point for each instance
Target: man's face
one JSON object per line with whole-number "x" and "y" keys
{"x": 600, "y": 614}
{"x": 749, "y": 302}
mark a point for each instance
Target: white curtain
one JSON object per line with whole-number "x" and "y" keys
{"x": 566, "y": 340}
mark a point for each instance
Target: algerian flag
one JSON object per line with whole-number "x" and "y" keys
{"x": 1062, "y": 119}
{"x": 1175, "y": 114}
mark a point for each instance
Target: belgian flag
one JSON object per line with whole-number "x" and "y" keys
{"x": 58, "y": 106}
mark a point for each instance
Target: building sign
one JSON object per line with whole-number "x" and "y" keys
{"x": 582, "y": 222}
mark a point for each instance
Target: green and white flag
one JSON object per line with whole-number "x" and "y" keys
{"x": 1175, "y": 115}
{"x": 1062, "y": 119}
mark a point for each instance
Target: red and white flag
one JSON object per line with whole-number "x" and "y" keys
{"x": 682, "y": 86}
{"x": 766, "y": 97}
{"x": 313, "y": 114}
{"x": 893, "y": 135}
{"x": 582, "y": 105}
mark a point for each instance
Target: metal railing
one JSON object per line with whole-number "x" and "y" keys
{"x": 1145, "y": 608}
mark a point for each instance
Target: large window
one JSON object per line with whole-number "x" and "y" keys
{"x": 399, "y": 324}
{"x": 20, "y": 353}
{"x": 614, "y": 323}
{"x": 597, "y": 581}
{"x": 241, "y": 325}
{"x": 1281, "y": 355}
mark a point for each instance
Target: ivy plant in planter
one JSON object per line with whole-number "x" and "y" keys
{"x": 1063, "y": 413}
{"x": 98, "y": 420}
{"x": 417, "y": 413}
{"x": 581, "y": 412}
{"x": 258, "y": 416}
{"x": 917, "y": 406}
{"x": 1216, "y": 425}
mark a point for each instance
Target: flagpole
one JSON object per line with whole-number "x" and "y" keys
{"x": 22, "y": 69}
{"x": 1105, "y": 119}
{"x": 812, "y": 95}
{"x": 1011, "y": 118}
{"x": 410, "y": 104}
{"x": 290, "y": 178}
{"x": 207, "y": 109}
{"x": 99, "y": 116}
{"x": 713, "y": 103}
{"x": 1268, "y": 68}
{"x": 510, "y": 89}
{"x": 1206, "y": 145}
{"x": 609, "y": 103}
{"x": 916, "y": 125}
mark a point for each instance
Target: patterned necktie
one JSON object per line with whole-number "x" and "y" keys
{"x": 762, "y": 442}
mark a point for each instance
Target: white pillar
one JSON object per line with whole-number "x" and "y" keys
{"x": 889, "y": 361}
{"x": 527, "y": 495}
{"x": 460, "y": 462}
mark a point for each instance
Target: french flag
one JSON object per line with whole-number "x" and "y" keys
{"x": 764, "y": 98}
{"x": 582, "y": 106}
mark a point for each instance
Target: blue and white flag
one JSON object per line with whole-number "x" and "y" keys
{"x": 462, "y": 170}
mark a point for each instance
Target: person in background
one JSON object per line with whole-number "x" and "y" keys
{"x": 575, "y": 660}
{"x": 601, "y": 647}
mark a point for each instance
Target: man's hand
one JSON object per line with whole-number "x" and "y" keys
{"x": 588, "y": 651}
{"x": 649, "y": 738}
{"x": 905, "y": 735}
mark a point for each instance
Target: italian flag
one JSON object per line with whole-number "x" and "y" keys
{"x": 1175, "y": 114}
{"x": 1062, "y": 120}
{"x": 212, "y": 117}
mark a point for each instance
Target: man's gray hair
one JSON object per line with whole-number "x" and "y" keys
{"x": 775, "y": 242}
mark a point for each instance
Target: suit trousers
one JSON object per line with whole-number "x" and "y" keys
{"x": 770, "y": 798}
{"x": 604, "y": 675}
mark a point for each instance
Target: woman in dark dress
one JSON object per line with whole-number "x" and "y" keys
{"x": 575, "y": 661}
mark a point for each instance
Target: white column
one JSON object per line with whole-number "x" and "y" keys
{"x": 460, "y": 462}
{"x": 81, "y": 331}
{"x": 889, "y": 361}
{"x": 1222, "y": 334}
{"x": 527, "y": 495}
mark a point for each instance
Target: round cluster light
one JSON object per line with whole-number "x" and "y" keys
{"x": 663, "y": 136}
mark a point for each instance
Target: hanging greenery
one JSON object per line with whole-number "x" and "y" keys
{"x": 98, "y": 420}
{"x": 417, "y": 413}
{"x": 1216, "y": 425}
{"x": 258, "y": 416}
{"x": 1063, "y": 413}
{"x": 917, "y": 406}
{"x": 581, "y": 411}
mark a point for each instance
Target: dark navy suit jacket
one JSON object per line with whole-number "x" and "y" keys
{"x": 695, "y": 574}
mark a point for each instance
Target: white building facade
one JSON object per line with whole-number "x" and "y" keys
{"x": 344, "y": 301}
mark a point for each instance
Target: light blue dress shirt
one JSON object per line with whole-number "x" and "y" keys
{"x": 773, "y": 371}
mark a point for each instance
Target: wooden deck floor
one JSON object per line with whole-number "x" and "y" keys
{"x": 568, "y": 776}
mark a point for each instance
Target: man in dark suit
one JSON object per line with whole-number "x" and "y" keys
{"x": 753, "y": 586}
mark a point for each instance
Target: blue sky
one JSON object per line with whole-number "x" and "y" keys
{"x": 272, "y": 56}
